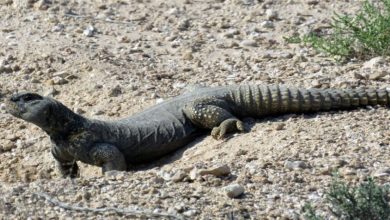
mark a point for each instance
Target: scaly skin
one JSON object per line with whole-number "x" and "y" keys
{"x": 172, "y": 124}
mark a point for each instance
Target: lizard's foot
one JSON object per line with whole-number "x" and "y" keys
{"x": 229, "y": 125}
{"x": 69, "y": 169}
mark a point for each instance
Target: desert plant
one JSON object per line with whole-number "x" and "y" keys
{"x": 368, "y": 201}
{"x": 363, "y": 35}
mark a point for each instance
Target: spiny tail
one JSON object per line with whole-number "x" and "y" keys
{"x": 261, "y": 100}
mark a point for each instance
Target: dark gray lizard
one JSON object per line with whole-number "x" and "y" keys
{"x": 165, "y": 127}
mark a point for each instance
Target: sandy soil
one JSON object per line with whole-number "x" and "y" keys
{"x": 109, "y": 59}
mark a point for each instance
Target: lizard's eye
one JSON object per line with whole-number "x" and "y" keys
{"x": 26, "y": 97}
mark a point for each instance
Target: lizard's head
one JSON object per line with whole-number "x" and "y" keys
{"x": 30, "y": 107}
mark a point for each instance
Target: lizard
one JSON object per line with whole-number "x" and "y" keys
{"x": 171, "y": 124}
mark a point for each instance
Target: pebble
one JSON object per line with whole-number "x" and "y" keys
{"x": 374, "y": 69}
{"x": 98, "y": 112}
{"x": 89, "y": 31}
{"x": 249, "y": 43}
{"x": 188, "y": 56}
{"x": 374, "y": 63}
{"x": 234, "y": 190}
{"x": 377, "y": 75}
{"x": 230, "y": 33}
{"x": 62, "y": 74}
{"x": 57, "y": 80}
{"x": 271, "y": 14}
{"x": 179, "y": 176}
{"x": 183, "y": 25}
{"x": 79, "y": 110}
{"x": 159, "y": 100}
{"x": 280, "y": 126}
{"x": 51, "y": 92}
{"x": 252, "y": 168}
{"x": 58, "y": 28}
{"x": 347, "y": 172}
{"x": 267, "y": 24}
{"x": 115, "y": 92}
{"x": 190, "y": 213}
{"x": 295, "y": 165}
{"x": 9, "y": 145}
{"x": 382, "y": 172}
{"x": 222, "y": 170}
{"x": 3, "y": 107}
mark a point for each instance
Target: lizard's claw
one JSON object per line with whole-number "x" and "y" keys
{"x": 229, "y": 125}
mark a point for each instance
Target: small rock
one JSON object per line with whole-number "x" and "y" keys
{"x": 179, "y": 176}
{"x": 222, "y": 170}
{"x": 312, "y": 2}
{"x": 295, "y": 165}
{"x": 190, "y": 213}
{"x": 115, "y": 92}
{"x": 183, "y": 25}
{"x": 230, "y": 33}
{"x": 79, "y": 110}
{"x": 42, "y": 4}
{"x": 9, "y": 145}
{"x": 5, "y": 69}
{"x": 57, "y": 80}
{"x": 89, "y": 31}
{"x": 347, "y": 172}
{"x": 159, "y": 100}
{"x": 123, "y": 39}
{"x": 3, "y": 107}
{"x": 115, "y": 174}
{"x": 194, "y": 174}
{"x": 51, "y": 92}
{"x": 249, "y": 43}
{"x": 378, "y": 75}
{"x": 252, "y": 168}
{"x": 316, "y": 83}
{"x": 11, "y": 137}
{"x": 338, "y": 163}
{"x": 374, "y": 63}
{"x": 179, "y": 85}
{"x": 271, "y": 14}
{"x": 280, "y": 126}
{"x": 165, "y": 175}
{"x": 234, "y": 190}
{"x": 98, "y": 112}
{"x": 382, "y": 172}
{"x": 62, "y": 74}
{"x": 58, "y": 28}
{"x": 374, "y": 69}
{"x": 188, "y": 56}
{"x": 267, "y": 24}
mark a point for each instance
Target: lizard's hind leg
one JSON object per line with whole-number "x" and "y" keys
{"x": 213, "y": 114}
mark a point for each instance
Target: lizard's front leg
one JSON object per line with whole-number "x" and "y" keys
{"x": 108, "y": 157}
{"x": 214, "y": 114}
{"x": 66, "y": 165}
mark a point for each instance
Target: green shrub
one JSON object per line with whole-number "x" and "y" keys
{"x": 368, "y": 201}
{"x": 364, "y": 35}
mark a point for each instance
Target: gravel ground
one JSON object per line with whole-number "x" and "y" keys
{"x": 109, "y": 59}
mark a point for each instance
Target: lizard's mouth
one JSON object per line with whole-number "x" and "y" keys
{"x": 16, "y": 105}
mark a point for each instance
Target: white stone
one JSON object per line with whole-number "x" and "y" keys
{"x": 271, "y": 14}
{"x": 234, "y": 190}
